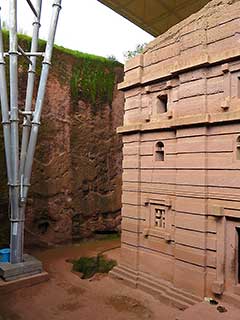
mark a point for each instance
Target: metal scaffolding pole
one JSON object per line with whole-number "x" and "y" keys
{"x": 30, "y": 87}
{"x": 16, "y": 223}
{"x": 19, "y": 170}
{"x": 40, "y": 98}
{"x": 28, "y": 105}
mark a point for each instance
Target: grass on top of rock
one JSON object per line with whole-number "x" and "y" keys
{"x": 89, "y": 266}
{"x": 92, "y": 78}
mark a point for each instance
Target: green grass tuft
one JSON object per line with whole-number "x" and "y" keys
{"x": 88, "y": 266}
{"x": 109, "y": 236}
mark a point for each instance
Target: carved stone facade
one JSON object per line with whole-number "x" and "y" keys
{"x": 181, "y": 167}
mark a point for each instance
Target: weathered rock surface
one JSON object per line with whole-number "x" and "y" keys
{"x": 76, "y": 183}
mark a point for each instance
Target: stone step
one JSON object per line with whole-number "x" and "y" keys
{"x": 232, "y": 299}
{"x": 129, "y": 281}
{"x": 128, "y": 270}
{"x": 168, "y": 290}
{"x": 24, "y": 282}
{"x": 162, "y": 289}
{"x": 180, "y": 304}
{"x": 191, "y": 296}
{"x": 168, "y": 287}
{"x": 122, "y": 270}
{"x": 172, "y": 294}
{"x": 29, "y": 266}
{"x": 150, "y": 289}
{"x": 124, "y": 274}
{"x": 163, "y": 296}
{"x": 151, "y": 282}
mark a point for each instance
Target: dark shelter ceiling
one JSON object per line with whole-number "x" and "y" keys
{"x": 155, "y": 16}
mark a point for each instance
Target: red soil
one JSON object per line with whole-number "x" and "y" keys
{"x": 66, "y": 296}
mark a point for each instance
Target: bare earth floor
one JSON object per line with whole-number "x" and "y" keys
{"x": 67, "y": 297}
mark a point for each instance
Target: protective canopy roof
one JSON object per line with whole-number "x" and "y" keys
{"x": 155, "y": 16}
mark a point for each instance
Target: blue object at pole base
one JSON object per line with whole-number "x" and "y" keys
{"x": 5, "y": 255}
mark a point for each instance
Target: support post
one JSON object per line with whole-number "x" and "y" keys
{"x": 19, "y": 170}
{"x": 30, "y": 86}
{"x": 16, "y": 223}
{"x": 28, "y": 107}
{"x": 39, "y": 104}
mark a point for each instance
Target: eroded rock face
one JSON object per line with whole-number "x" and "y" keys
{"x": 49, "y": 212}
{"x": 76, "y": 182}
{"x": 96, "y": 168}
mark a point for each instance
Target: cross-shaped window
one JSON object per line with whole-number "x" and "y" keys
{"x": 160, "y": 221}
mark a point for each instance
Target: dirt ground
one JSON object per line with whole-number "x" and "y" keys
{"x": 67, "y": 297}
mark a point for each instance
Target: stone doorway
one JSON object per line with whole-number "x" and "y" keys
{"x": 238, "y": 255}
{"x": 232, "y": 268}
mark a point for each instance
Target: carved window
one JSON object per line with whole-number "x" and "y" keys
{"x": 238, "y": 148}
{"x": 162, "y": 103}
{"x": 160, "y": 218}
{"x": 159, "y": 151}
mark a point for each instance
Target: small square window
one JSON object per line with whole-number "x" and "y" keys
{"x": 159, "y": 151}
{"x": 162, "y": 103}
{"x": 159, "y": 220}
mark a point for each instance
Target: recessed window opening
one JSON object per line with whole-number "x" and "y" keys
{"x": 162, "y": 103}
{"x": 159, "y": 152}
{"x": 43, "y": 227}
{"x": 238, "y": 254}
{"x": 238, "y": 148}
{"x": 160, "y": 218}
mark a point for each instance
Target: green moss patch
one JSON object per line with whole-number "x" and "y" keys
{"x": 89, "y": 266}
{"x": 107, "y": 236}
{"x": 93, "y": 81}
{"x": 91, "y": 78}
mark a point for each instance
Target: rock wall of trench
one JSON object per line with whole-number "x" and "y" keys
{"x": 76, "y": 183}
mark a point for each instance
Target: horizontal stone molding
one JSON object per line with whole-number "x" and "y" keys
{"x": 205, "y": 119}
{"x": 162, "y": 234}
{"x": 165, "y": 201}
{"x": 187, "y": 193}
{"x": 180, "y": 66}
{"x": 222, "y": 211}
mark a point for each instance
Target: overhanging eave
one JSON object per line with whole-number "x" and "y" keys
{"x": 155, "y": 16}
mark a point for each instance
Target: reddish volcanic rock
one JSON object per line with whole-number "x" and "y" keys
{"x": 76, "y": 182}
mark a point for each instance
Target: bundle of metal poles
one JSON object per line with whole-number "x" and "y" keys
{"x": 19, "y": 164}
